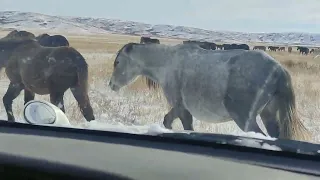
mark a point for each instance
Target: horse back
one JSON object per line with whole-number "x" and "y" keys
{"x": 238, "y": 65}
{"x": 54, "y": 41}
{"x": 61, "y": 57}
{"x": 54, "y": 62}
{"x": 252, "y": 79}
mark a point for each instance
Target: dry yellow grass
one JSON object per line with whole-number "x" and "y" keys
{"x": 99, "y": 51}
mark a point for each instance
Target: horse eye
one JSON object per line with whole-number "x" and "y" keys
{"x": 116, "y": 63}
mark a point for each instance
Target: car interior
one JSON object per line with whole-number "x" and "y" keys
{"x": 58, "y": 152}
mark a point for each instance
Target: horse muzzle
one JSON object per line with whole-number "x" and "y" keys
{"x": 114, "y": 87}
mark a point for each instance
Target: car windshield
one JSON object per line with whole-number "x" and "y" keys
{"x": 245, "y": 68}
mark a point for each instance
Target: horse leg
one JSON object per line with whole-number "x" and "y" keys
{"x": 56, "y": 98}
{"x": 244, "y": 115}
{"x": 186, "y": 119}
{"x": 169, "y": 117}
{"x": 248, "y": 123}
{"x": 28, "y": 96}
{"x": 183, "y": 114}
{"x": 13, "y": 92}
{"x": 84, "y": 103}
{"x": 270, "y": 118}
{"x": 251, "y": 124}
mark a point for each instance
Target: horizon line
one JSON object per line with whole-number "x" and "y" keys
{"x": 230, "y": 31}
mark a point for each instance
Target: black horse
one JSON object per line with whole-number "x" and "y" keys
{"x": 303, "y": 50}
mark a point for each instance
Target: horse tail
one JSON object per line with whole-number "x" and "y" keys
{"x": 81, "y": 69}
{"x": 290, "y": 125}
{"x": 83, "y": 76}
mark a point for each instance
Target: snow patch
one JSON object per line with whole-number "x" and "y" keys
{"x": 257, "y": 144}
{"x": 257, "y": 135}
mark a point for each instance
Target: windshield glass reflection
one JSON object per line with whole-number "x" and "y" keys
{"x": 134, "y": 77}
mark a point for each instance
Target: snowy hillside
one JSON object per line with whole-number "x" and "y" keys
{"x": 27, "y": 20}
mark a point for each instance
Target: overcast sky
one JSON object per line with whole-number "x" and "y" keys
{"x": 233, "y": 15}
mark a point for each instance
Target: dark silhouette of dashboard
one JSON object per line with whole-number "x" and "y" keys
{"x": 43, "y": 152}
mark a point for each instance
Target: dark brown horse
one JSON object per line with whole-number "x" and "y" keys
{"x": 44, "y": 70}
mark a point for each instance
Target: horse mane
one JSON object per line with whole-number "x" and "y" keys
{"x": 151, "y": 84}
{"x": 19, "y": 34}
{"x": 127, "y": 48}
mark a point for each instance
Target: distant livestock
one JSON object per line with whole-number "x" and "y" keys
{"x": 259, "y": 48}
{"x": 282, "y": 49}
{"x": 273, "y": 48}
{"x": 147, "y": 40}
{"x": 303, "y": 50}
{"x": 220, "y": 46}
{"x": 235, "y": 46}
{"x": 316, "y": 52}
{"x": 202, "y": 44}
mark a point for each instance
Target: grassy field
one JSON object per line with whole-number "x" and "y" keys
{"x": 135, "y": 104}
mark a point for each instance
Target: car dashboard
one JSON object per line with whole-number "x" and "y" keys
{"x": 43, "y": 152}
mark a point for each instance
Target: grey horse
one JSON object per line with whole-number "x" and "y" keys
{"x": 215, "y": 86}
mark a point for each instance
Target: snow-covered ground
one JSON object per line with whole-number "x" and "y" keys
{"x": 28, "y": 20}
{"x": 43, "y": 115}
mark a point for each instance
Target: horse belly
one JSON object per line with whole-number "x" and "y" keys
{"x": 213, "y": 113}
{"x": 38, "y": 85}
{"x": 38, "y": 88}
{"x": 206, "y": 104}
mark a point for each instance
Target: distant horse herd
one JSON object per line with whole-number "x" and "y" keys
{"x": 213, "y": 46}
{"x": 236, "y": 83}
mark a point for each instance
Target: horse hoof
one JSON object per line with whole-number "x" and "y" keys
{"x": 90, "y": 119}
